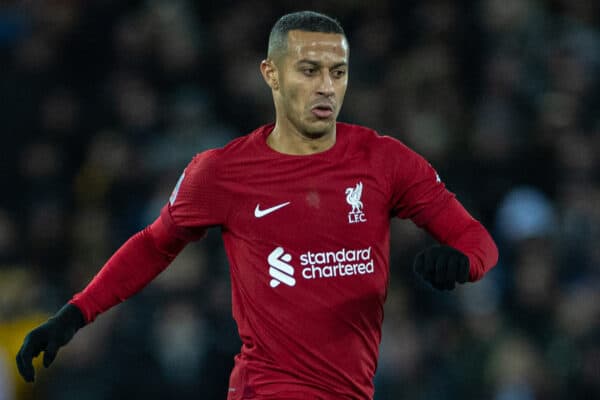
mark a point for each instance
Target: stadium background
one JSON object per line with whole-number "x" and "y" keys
{"x": 104, "y": 102}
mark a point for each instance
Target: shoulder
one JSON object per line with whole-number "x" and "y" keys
{"x": 369, "y": 139}
{"x": 356, "y": 133}
{"x": 215, "y": 160}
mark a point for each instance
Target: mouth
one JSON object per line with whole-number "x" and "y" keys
{"x": 322, "y": 110}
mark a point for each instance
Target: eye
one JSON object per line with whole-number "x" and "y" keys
{"x": 309, "y": 71}
{"x": 339, "y": 73}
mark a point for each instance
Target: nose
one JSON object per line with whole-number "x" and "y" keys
{"x": 326, "y": 85}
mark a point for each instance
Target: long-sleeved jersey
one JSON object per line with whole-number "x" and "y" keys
{"x": 307, "y": 238}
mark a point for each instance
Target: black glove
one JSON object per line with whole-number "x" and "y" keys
{"x": 48, "y": 337}
{"x": 442, "y": 267}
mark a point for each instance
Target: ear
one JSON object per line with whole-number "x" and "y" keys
{"x": 270, "y": 73}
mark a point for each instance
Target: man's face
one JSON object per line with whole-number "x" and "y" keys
{"x": 312, "y": 77}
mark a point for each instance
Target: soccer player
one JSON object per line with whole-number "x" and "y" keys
{"x": 304, "y": 205}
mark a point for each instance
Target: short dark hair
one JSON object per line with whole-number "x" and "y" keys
{"x": 309, "y": 21}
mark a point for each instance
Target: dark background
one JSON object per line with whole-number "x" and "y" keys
{"x": 104, "y": 102}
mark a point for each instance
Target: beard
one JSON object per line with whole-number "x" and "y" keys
{"x": 314, "y": 132}
{"x": 314, "y": 128}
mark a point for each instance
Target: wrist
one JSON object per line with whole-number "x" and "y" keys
{"x": 70, "y": 315}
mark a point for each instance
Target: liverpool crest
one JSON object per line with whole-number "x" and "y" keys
{"x": 353, "y": 195}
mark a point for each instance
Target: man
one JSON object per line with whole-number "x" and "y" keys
{"x": 304, "y": 205}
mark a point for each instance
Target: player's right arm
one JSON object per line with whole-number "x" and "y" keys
{"x": 191, "y": 209}
{"x": 131, "y": 268}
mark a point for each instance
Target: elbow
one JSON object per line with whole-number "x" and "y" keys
{"x": 486, "y": 258}
{"x": 495, "y": 254}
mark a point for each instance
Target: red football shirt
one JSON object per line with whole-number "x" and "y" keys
{"x": 307, "y": 239}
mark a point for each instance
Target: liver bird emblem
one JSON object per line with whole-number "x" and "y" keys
{"x": 353, "y": 197}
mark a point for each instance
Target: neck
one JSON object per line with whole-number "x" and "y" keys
{"x": 288, "y": 140}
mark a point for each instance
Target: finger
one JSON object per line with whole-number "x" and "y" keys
{"x": 25, "y": 358}
{"x": 50, "y": 353}
{"x": 463, "y": 271}
{"x": 452, "y": 271}
{"x": 25, "y": 367}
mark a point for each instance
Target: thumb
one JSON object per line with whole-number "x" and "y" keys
{"x": 50, "y": 353}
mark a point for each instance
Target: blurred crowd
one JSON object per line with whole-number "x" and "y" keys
{"x": 104, "y": 103}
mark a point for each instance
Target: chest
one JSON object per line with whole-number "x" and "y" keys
{"x": 309, "y": 204}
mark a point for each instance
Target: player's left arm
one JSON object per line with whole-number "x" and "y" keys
{"x": 466, "y": 251}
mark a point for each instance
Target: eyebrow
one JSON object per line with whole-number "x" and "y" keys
{"x": 318, "y": 64}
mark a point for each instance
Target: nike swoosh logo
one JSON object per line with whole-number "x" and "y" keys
{"x": 258, "y": 213}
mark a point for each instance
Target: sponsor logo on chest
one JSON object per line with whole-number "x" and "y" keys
{"x": 319, "y": 265}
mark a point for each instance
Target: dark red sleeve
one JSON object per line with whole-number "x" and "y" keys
{"x": 197, "y": 203}
{"x": 420, "y": 194}
{"x": 200, "y": 199}
{"x": 131, "y": 268}
{"x": 455, "y": 227}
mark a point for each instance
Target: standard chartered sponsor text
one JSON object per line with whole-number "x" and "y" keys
{"x": 343, "y": 262}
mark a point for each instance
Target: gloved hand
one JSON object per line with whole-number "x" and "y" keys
{"x": 442, "y": 267}
{"x": 48, "y": 337}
